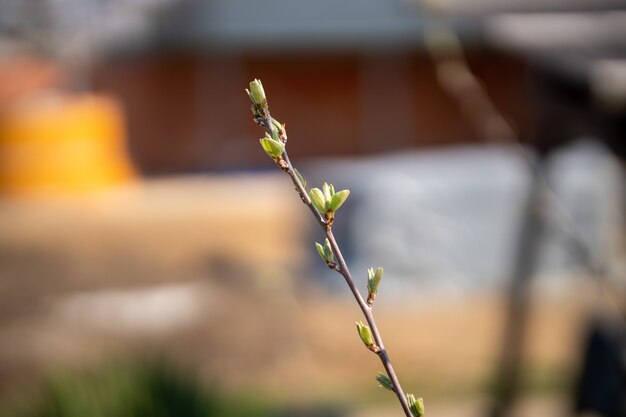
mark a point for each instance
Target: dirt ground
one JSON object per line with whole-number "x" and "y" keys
{"x": 212, "y": 274}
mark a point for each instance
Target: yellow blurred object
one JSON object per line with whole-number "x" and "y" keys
{"x": 63, "y": 144}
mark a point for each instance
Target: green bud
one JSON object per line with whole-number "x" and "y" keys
{"x": 326, "y": 252}
{"x": 419, "y": 407}
{"x": 300, "y": 178}
{"x": 256, "y": 92}
{"x": 365, "y": 334}
{"x": 273, "y": 148}
{"x": 317, "y": 198}
{"x": 416, "y": 405}
{"x": 373, "y": 280}
{"x": 275, "y": 132}
{"x": 337, "y": 199}
{"x": 384, "y": 382}
{"x": 327, "y": 201}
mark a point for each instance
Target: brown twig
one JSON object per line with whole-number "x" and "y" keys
{"x": 369, "y": 317}
{"x": 262, "y": 117}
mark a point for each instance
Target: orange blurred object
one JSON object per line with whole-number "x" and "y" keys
{"x": 56, "y": 143}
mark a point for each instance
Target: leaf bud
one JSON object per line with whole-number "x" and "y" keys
{"x": 384, "y": 382}
{"x": 256, "y": 93}
{"x": 273, "y": 148}
{"x": 365, "y": 334}
{"x": 416, "y": 405}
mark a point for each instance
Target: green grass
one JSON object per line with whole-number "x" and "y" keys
{"x": 146, "y": 389}
{"x": 131, "y": 389}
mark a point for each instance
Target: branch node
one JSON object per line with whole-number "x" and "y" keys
{"x": 282, "y": 164}
{"x": 375, "y": 349}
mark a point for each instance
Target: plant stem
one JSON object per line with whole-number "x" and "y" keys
{"x": 345, "y": 272}
{"x": 367, "y": 310}
{"x": 369, "y": 316}
{"x": 267, "y": 124}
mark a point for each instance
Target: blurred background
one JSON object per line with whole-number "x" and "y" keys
{"x": 154, "y": 262}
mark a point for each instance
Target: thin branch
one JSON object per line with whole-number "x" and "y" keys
{"x": 303, "y": 194}
{"x": 369, "y": 316}
{"x": 266, "y": 122}
{"x": 367, "y": 310}
{"x": 262, "y": 117}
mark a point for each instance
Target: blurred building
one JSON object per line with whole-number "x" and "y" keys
{"x": 348, "y": 78}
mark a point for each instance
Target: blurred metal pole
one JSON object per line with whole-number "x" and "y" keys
{"x": 509, "y": 375}
{"x": 456, "y": 78}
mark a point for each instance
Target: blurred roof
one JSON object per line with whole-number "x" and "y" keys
{"x": 298, "y": 24}
{"x": 596, "y": 34}
{"x": 585, "y": 48}
{"x": 485, "y": 7}
{"x": 284, "y": 24}
{"x": 580, "y": 39}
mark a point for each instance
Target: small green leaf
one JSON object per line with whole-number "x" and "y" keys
{"x": 373, "y": 279}
{"x": 266, "y": 144}
{"x": 320, "y": 250}
{"x": 370, "y": 279}
{"x": 419, "y": 407}
{"x": 327, "y": 193}
{"x": 328, "y": 251}
{"x": 365, "y": 334}
{"x": 338, "y": 199}
{"x": 410, "y": 398}
{"x": 300, "y": 178}
{"x": 416, "y": 405}
{"x": 276, "y": 132}
{"x": 317, "y": 198}
{"x": 384, "y": 382}
{"x": 256, "y": 92}
{"x": 272, "y": 147}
